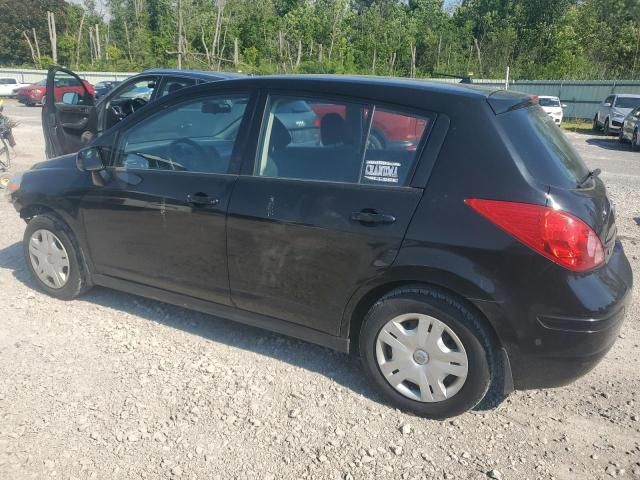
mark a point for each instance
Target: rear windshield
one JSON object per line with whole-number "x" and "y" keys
{"x": 627, "y": 102}
{"x": 546, "y": 153}
{"x": 549, "y": 102}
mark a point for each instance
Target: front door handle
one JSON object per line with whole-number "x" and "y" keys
{"x": 372, "y": 217}
{"x": 200, "y": 199}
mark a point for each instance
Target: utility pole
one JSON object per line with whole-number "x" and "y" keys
{"x": 179, "y": 34}
{"x": 51, "y": 20}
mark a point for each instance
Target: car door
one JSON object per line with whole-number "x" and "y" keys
{"x": 313, "y": 220}
{"x": 159, "y": 218}
{"x": 68, "y": 113}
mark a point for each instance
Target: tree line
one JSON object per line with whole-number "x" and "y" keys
{"x": 537, "y": 39}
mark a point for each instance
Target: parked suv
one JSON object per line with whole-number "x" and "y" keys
{"x": 612, "y": 112}
{"x": 483, "y": 260}
{"x": 553, "y": 107}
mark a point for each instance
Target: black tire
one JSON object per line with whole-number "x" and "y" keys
{"x": 621, "y": 138}
{"x": 635, "y": 140}
{"x": 465, "y": 323}
{"x": 605, "y": 128}
{"x": 77, "y": 282}
{"x": 595, "y": 126}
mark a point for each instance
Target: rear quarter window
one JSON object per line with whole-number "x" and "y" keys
{"x": 546, "y": 152}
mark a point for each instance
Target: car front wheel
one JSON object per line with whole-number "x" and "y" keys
{"x": 605, "y": 129}
{"x": 53, "y": 257}
{"x": 595, "y": 126}
{"x": 427, "y": 352}
{"x": 635, "y": 141}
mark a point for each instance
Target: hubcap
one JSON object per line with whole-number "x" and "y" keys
{"x": 49, "y": 258}
{"x": 421, "y": 357}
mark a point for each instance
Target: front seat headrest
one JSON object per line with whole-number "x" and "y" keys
{"x": 280, "y": 136}
{"x": 332, "y": 129}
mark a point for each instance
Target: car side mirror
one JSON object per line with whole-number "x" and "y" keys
{"x": 215, "y": 107}
{"x": 637, "y": 114}
{"x": 71, "y": 98}
{"x": 90, "y": 159}
{"x": 606, "y": 104}
{"x": 564, "y": 105}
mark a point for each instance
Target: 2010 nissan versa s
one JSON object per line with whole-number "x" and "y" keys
{"x": 478, "y": 256}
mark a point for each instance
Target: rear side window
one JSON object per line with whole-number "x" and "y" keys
{"x": 540, "y": 144}
{"x": 315, "y": 139}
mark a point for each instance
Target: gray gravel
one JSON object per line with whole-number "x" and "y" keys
{"x": 112, "y": 386}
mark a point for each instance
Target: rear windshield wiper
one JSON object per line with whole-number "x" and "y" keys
{"x": 589, "y": 176}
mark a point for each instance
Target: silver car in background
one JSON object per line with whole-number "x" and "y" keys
{"x": 613, "y": 111}
{"x": 630, "y": 131}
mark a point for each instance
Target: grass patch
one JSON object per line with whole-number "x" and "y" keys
{"x": 577, "y": 125}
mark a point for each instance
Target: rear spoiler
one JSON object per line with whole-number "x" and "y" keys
{"x": 502, "y": 101}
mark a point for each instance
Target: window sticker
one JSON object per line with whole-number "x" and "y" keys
{"x": 381, "y": 171}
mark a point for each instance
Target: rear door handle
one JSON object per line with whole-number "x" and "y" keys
{"x": 372, "y": 217}
{"x": 200, "y": 199}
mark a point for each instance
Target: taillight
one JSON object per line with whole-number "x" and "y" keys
{"x": 557, "y": 235}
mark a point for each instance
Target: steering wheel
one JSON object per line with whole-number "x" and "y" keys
{"x": 117, "y": 111}
{"x": 137, "y": 103}
{"x": 188, "y": 153}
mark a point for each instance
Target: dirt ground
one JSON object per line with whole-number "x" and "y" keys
{"x": 113, "y": 386}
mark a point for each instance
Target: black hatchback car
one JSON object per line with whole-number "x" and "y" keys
{"x": 481, "y": 259}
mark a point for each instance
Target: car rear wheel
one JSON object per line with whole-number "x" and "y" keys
{"x": 53, "y": 257}
{"x": 427, "y": 352}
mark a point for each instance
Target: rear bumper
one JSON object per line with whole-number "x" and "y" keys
{"x": 569, "y": 333}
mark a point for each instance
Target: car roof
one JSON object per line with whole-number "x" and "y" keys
{"x": 410, "y": 93}
{"x": 627, "y": 95}
{"x": 197, "y": 74}
{"x": 548, "y": 96}
{"x": 366, "y": 82}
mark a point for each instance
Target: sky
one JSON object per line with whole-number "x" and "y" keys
{"x": 100, "y": 4}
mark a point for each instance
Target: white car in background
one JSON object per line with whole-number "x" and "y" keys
{"x": 553, "y": 107}
{"x": 8, "y": 85}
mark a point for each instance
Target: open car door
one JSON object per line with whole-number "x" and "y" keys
{"x": 68, "y": 113}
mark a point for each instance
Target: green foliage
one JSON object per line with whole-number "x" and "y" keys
{"x": 553, "y": 39}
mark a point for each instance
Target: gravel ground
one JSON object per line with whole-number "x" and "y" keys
{"x": 112, "y": 386}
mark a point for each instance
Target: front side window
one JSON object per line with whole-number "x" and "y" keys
{"x": 315, "y": 139}
{"x": 173, "y": 84}
{"x": 195, "y": 136}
